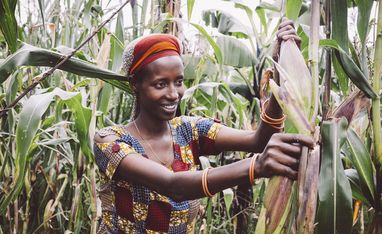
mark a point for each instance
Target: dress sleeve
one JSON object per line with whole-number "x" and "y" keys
{"x": 108, "y": 155}
{"x": 207, "y": 131}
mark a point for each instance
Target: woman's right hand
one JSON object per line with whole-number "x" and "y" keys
{"x": 281, "y": 155}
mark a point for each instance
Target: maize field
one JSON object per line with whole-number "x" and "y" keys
{"x": 60, "y": 82}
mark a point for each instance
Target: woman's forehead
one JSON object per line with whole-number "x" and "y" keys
{"x": 166, "y": 64}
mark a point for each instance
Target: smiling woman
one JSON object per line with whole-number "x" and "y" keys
{"x": 150, "y": 181}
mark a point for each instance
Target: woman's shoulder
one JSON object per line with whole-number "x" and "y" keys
{"x": 110, "y": 133}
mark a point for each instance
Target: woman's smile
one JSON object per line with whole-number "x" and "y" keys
{"x": 170, "y": 107}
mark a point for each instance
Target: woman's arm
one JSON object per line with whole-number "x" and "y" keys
{"x": 280, "y": 157}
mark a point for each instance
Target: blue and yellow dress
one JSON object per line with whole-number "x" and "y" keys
{"x": 134, "y": 208}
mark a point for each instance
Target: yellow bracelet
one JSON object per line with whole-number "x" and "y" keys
{"x": 205, "y": 183}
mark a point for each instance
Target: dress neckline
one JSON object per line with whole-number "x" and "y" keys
{"x": 143, "y": 153}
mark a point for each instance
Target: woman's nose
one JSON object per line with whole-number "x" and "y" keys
{"x": 173, "y": 93}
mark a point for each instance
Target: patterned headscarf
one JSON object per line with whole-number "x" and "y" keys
{"x": 147, "y": 49}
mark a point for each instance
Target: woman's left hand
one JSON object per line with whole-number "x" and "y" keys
{"x": 286, "y": 31}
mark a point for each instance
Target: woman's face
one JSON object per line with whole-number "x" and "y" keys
{"x": 160, "y": 87}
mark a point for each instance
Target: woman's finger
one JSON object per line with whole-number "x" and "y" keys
{"x": 286, "y": 22}
{"x": 294, "y": 37}
{"x": 290, "y": 149}
{"x": 283, "y": 170}
{"x": 287, "y": 160}
{"x": 297, "y": 138}
{"x": 287, "y": 32}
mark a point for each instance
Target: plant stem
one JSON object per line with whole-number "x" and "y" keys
{"x": 313, "y": 57}
{"x": 376, "y": 104}
{"x": 328, "y": 63}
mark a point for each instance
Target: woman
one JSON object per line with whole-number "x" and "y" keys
{"x": 140, "y": 192}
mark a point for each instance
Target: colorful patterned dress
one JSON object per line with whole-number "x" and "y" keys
{"x": 133, "y": 208}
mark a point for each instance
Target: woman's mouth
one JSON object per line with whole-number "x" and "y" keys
{"x": 170, "y": 107}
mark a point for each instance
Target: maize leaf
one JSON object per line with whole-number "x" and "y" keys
{"x": 335, "y": 202}
{"x": 215, "y": 47}
{"x": 362, "y": 162}
{"x": 29, "y": 122}
{"x": 190, "y": 7}
{"x": 243, "y": 56}
{"x": 339, "y": 22}
{"x": 293, "y": 8}
{"x": 350, "y": 68}
{"x": 8, "y": 23}
{"x": 357, "y": 191}
{"x": 29, "y": 55}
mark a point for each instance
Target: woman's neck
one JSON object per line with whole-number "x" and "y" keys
{"x": 150, "y": 126}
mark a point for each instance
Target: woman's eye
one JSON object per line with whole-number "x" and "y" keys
{"x": 160, "y": 85}
{"x": 179, "y": 82}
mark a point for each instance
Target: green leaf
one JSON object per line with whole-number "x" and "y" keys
{"x": 364, "y": 9}
{"x": 293, "y": 8}
{"x": 268, "y": 6}
{"x": 29, "y": 122}
{"x": 342, "y": 78}
{"x": 362, "y": 162}
{"x": 353, "y": 178}
{"x": 8, "y": 23}
{"x": 350, "y": 68}
{"x": 190, "y": 7}
{"x": 242, "y": 56}
{"x": 339, "y": 23}
{"x": 228, "y": 198}
{"x": 227, "y": 24}
{"x": 29, "y": 55}
{"x": 334, "y": 191}
{"x": 82, "y": 117}
{"x": 215, "y": 47}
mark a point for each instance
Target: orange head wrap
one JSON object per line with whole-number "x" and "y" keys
{"x": 147, "y": 49}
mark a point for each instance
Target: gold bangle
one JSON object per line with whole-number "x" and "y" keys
{"x": 251, "y": 172}
{"x": 205, "y": 183}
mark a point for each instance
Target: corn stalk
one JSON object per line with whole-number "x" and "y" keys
{"x": 297, "y": 95}
{"x": 376, "y": 103}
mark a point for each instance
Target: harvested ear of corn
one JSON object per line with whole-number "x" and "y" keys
{"x": 290, "y": 207}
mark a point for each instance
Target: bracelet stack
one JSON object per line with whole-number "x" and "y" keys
{"x": 251, "y": 171}
{"x": 274, "y": 123}
{"x": 205, "y": 183}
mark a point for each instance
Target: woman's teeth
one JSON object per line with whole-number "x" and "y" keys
{"x": 170, "y": 106}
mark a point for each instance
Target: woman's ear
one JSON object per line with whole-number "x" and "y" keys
{"x": 133, "y": 85}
